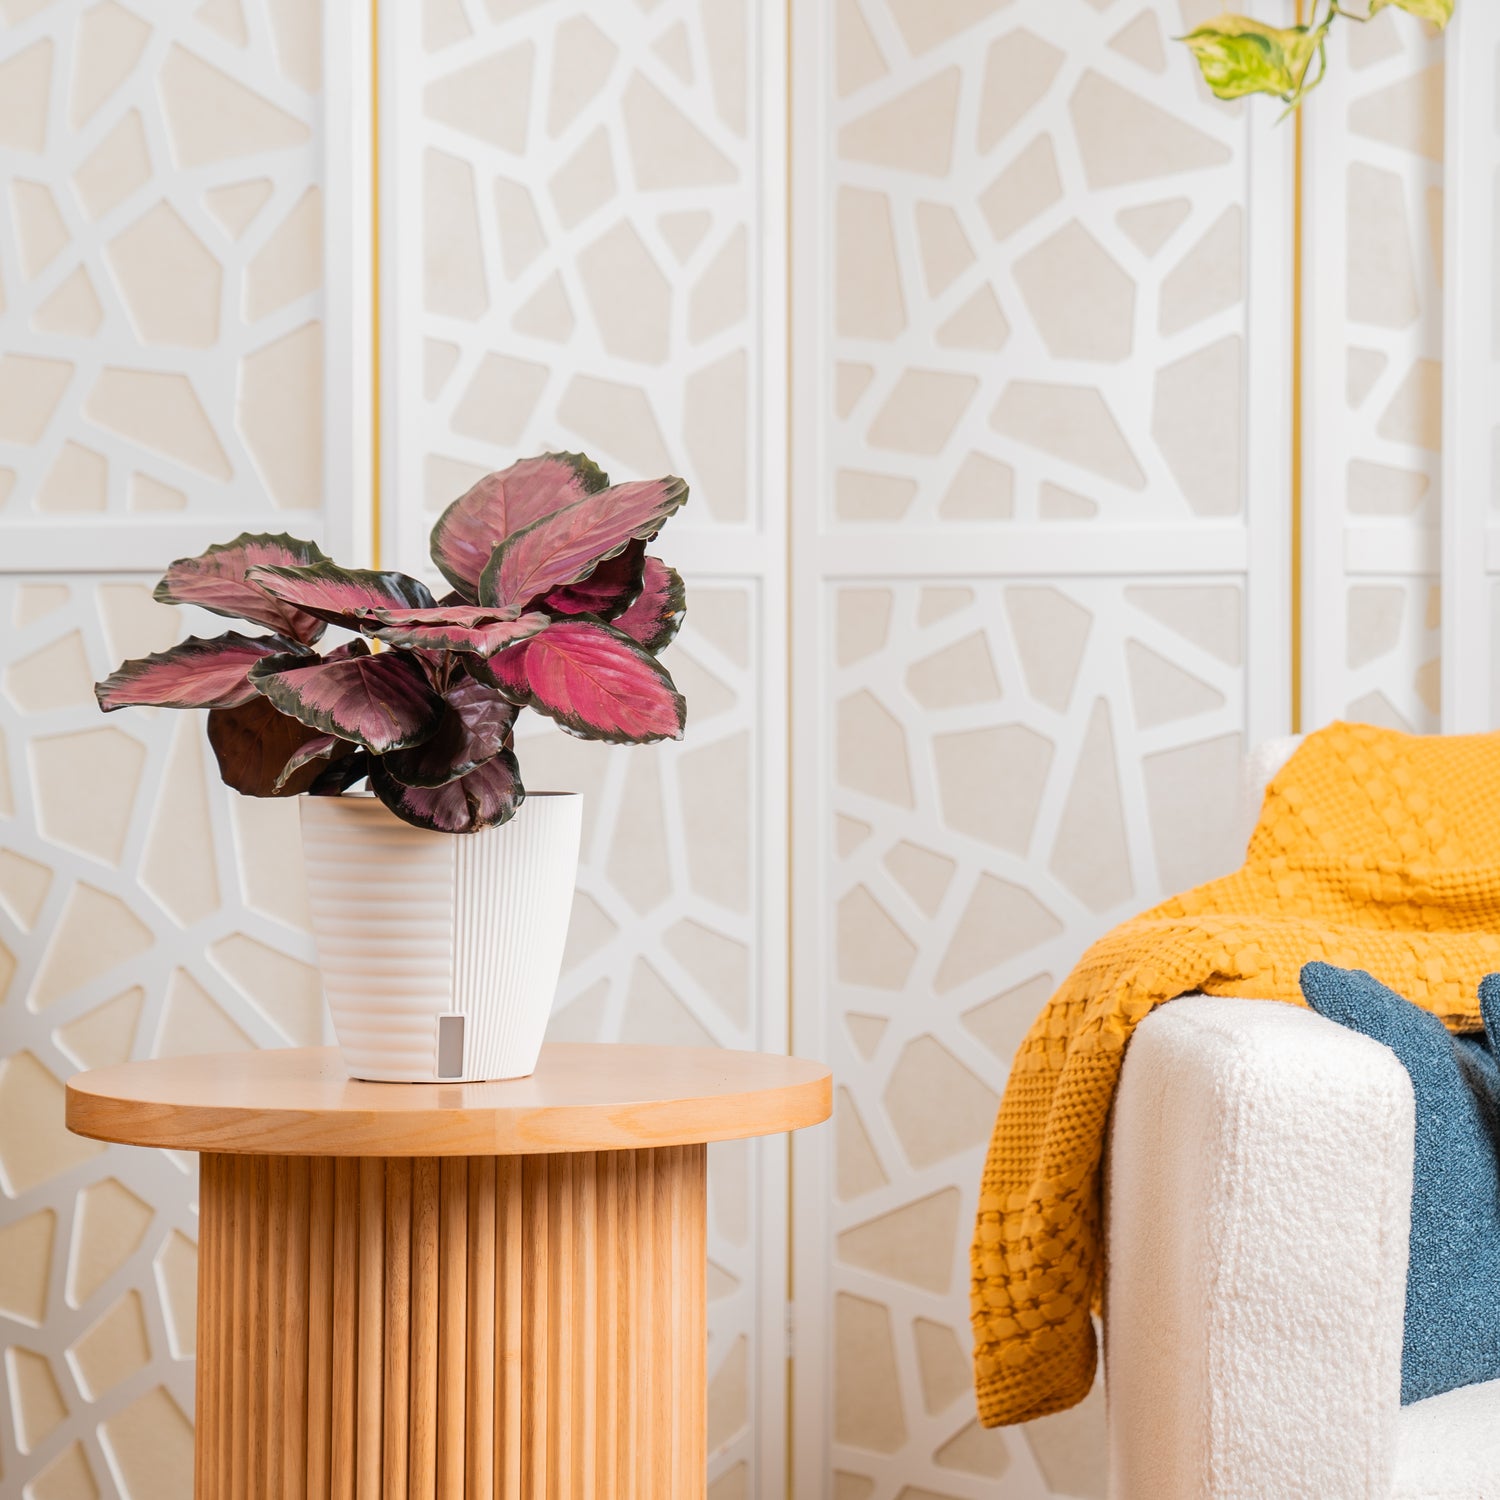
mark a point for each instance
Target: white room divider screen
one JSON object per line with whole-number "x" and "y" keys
{"x": 582, "y": 248}
{"x": 1471, "y": 389}
{"x": 969, "y": 325}
{"x": 1041, "y": 291}
{"x": 1373, "y": 279}
{"x": 174, "y": 368}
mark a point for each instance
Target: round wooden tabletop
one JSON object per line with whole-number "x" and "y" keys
{"x": 582, "y": 1097}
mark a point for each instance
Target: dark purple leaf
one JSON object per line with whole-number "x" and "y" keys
{"x": 475, "y": 726}
{"x": 610, "y": 589}
{"x": 655, "y": 616}
{"x": 215, "y": 580}
{"x": 438, "y": 667}
{"x": 253, "y": 743}
{"x": 342, "y": 773}
{"x": 382, "y": 702}
{"x": 320, "y": 747}
{"x": 486, "y": 797}
{"x": 356, "y": 647}
{"x": 342, "y": 596}
{"x": 481, "y": 632}
{"x": 198, "y": 673}
{"x": 500, "y": 505}
{"x": 569, "y": 544}
{"x": 595, "y": 682}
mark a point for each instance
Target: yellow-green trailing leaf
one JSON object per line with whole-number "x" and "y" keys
{"x": 1241, "y": 56}
{"x": 1439, "y": 12}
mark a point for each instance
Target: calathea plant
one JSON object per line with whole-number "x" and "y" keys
{"x": 555, "y": 606}
{"x": 1239, "y": 55}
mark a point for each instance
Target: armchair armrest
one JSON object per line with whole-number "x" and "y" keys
{"x": 1258, "y": 1212}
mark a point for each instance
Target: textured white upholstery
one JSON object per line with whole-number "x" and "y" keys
{"x": 1258, "y": 1210}
{"x": 1448, "y": 1448}
{"x": 1259, "y": 1195}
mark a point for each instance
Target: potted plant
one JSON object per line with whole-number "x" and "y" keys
{"x": 440, "y": 896}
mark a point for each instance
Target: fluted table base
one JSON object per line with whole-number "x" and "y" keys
{"x": 440, "y": 1327}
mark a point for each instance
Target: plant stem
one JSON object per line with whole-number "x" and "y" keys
{"x": 1320, "y": 30}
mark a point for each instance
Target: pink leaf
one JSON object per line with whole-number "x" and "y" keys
{"x": 485, "y": 798}
{"x": 481, "y": 632}
{"x": 568, "y": 545}
{"x": 595, "y": 682}
{"x": 381, "y": 702}
{"x": 198, "y": 673}
{"x": 500, "y": 505}
{"x": 611, "y": 588}
{"x": 657, "y": 613}
{"x": 215, "y": 580}
{"x": 476, "y": 724}
{"x": 342, "y": 596}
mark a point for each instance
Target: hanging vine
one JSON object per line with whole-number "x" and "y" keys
{"x": 1241, "y": 56}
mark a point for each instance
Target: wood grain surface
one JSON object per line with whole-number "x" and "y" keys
{"x": 582, "y": 1097}
{"x": 516, "y": 1328}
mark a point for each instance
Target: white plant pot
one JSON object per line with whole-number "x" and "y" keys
{"x": 440, "y": 953}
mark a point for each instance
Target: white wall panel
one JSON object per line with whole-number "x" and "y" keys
{"x": 1372, "y": 270}
{"x": 1471, "y": 391}
{"x": 162, "y": 266}
{"x": 1041, "y": 285}
{"x": 164, "y": 329}
{"x": 583, "y": 249}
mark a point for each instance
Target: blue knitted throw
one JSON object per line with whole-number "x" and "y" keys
{"x": 1453, "y": 1281}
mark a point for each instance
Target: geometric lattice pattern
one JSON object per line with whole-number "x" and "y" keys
{"x": 1038, "y": 304}
{"x": 588, "y": 177}
{"x": 584, "y": 275}
{"x": 1375, "y": 420}
{"x": 1017, "y": 767}
{"x": 160, "y": 263}
{"x": 1037, "y": 328}
{"x": 144, "y": 911}
{"x": 1026, "y": 635}
{"x": 161, "y": 368}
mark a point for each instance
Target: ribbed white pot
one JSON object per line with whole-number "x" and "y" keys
{"x": 440, "y": 953}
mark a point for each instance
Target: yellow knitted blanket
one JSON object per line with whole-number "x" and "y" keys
{"x": 1374, "y": 850}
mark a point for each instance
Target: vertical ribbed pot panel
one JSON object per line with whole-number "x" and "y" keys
{"x": 412, "y": 926}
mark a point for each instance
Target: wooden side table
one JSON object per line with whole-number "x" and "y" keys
{"x": 433, "y": 1291}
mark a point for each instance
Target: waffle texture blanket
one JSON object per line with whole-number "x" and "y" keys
{"x": 1375, "y": 850}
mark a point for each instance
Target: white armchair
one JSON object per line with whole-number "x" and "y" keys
{"x": 1258, "y": 1207}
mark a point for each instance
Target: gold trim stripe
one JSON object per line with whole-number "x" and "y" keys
{"x": 1295, "y": 539}
{"x": 375, "y": 507}
{"x": 789, "y": 83}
